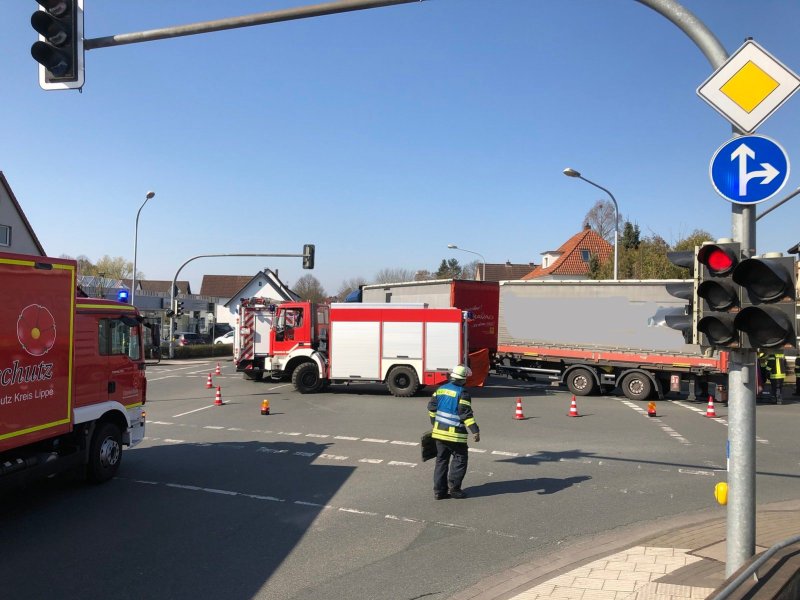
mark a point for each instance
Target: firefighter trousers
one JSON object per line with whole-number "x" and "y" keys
{"x": 451, "y": 466}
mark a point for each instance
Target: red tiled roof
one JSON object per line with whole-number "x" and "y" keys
{"x": 223, "y": 286}
{"x": 571, "y": 262}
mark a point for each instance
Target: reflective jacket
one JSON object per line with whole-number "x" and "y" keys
{"x": 450, "y": 410}
{"x": 776, "y": 365}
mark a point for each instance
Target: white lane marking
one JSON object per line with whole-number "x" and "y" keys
{"x": 333, "y": 456}
{"x": 235, "y": 429}
{"x": 346, "y": 437}
{"x": 476, "y": 450}
{"x": 307, "y": 454}
{"x": 374, "y": 440}
{"x": 213, "y": 427}
{"x": 372, "y": 461}
{"x": 355, "y": 511}
{"x": 272, "y": 450}
{"x": 317, "y": 435}
{"x": 401, "y": 464}
{"x": 501, "y": 453}
{"x": 169, "y": 441}
{"x": 189, "y": 412}
{"x": 160, "y": 423}
{"x": 399, "y": 443}
{"x": 657, "y": 420}
{"x": 719, "y": 420}
{"x": 695, "y": 472}
{"x": 293, "y": 433}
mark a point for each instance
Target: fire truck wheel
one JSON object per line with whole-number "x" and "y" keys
{"x": 402, "y": 382}
{"x": 105, "y": 453}
{"x": 306, "y": 379}
{"x": 637, "y": 386}
{"x": 581, "y": 382}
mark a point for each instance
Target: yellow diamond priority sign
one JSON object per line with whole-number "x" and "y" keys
{"x": 749, "y": 87}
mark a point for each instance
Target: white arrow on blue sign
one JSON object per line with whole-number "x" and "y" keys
{"x": 749, "y": 169}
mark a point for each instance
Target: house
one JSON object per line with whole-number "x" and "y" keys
{"x": 227, "y": 290}
{"x": 16, "y": 233}
{"x": 571, "y": 260}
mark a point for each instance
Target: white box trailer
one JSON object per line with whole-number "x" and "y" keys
{"x": 596, "y": 335}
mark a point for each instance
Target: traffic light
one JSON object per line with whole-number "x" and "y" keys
{"x": 178, "y": 308}
{"x": 768, "y": 318}
{"x": 122, "y": 295}
{"x": 59, "y": 50}
{"x": 684, "y": 320}
{"x": 308, "y": 256}
{"x": 718, "y": 295}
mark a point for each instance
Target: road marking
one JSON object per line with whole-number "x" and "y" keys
{"x": 169, "y": 441}
{"x": 346, "y": 437}
{"x": 657, "y": 420}
{"x": 333, "y": 456}
{"x": 213, "y": 427}
{"x": 374, "y": 440}
{"x": 399, "y": 443}
{"x": 317, "y": 435}
{"x": 372, "y": 461}
{"x": 402, "y": 464}
{"x": 190, "y": 412}
{"x": 719, "y": 420}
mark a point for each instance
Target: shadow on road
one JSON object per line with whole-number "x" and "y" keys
{"x": 544, "y": 485}
{"x": 182, "y": 521}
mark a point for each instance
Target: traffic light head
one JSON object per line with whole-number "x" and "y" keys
{"x": 178, "y": 308}
{"x": 769, "y": 301}
{"x": 59, "y": 50}
{"x": 308, "y": 256}
{"x": 717, "y": 294}
{"x": 684, "y": 319}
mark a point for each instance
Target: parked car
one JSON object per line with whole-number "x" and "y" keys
{"x": 185, "y": 338}
{"x": 225, "y": 338}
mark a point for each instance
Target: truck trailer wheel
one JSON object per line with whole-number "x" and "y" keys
{"x": 402, "y": 382}
{"x": 105, "y": 453}
{"x": 306, "y": 379}
{"x": 581, "y": 382}
{"x": 637, "y": 386}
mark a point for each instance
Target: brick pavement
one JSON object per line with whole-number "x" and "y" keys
{"x": 674, "y": 560}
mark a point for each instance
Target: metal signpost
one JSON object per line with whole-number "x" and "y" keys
{"x": 746, "y": 90}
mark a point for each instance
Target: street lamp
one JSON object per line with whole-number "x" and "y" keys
{"x": 483, "y": 260}
{"x": 147, "y": 197}
{"x": 573, "y": 173}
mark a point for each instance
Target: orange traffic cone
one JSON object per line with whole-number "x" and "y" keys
{"x": 651, "y": 409}
{"x": 518, "y": 414}
{"x": 209, "y": 383}
{"x": 217, "y": 371}
{"x": 218, "y": 397}
{"x": 710, "y": 412}
{"x": 573, "y": 408}
{"x": 265, "y": 407}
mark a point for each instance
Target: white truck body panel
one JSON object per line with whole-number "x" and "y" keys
{"x": 355, "y": 351}
{"x": 441, "y": 346}
{"x": 608, "y": 315}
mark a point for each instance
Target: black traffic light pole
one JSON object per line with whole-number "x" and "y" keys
{"x": 304, "y": 256}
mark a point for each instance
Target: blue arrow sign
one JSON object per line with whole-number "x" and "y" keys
{"x": 749, "y": 169}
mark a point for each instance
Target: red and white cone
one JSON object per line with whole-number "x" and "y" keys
{"x": 518, "y": 414}
{"x": 217, "y": 371}
{"x": 209, "y": 383}
{"x": 710, "y": 412}
{"x": 573, "y": 408}
{"x": 218, "y": 397}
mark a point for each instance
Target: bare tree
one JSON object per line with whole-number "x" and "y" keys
{"x": 601, "y": 219}
{"x": 349, "y": 285}
{"x": 309, "y": 288}
{"x": 395, "y": 275}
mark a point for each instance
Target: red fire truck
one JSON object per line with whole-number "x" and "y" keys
{"x": 72, "y": 382}
{"x": 405, "y": 346}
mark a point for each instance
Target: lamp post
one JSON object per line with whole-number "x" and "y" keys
{"x": 147, "y": 197}
{"x": 483, "y": 260}
{"x": 573, "y": 173}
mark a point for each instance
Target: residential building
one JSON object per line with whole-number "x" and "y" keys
{"x": 571, "y": 260}
{"x": 16, "y": 233}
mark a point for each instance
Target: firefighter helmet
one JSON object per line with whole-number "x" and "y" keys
{"x": 460, "y": 372}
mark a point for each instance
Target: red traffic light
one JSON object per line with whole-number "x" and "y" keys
{"x": 719, "y": 259}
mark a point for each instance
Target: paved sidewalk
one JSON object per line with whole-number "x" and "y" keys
{"x": 684, "y": 559}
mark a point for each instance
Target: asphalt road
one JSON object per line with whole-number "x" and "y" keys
{"x": 327, "y": 498}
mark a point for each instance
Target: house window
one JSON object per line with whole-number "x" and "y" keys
{"x": 5, "y": 235}
{"x": 586, "y": 256}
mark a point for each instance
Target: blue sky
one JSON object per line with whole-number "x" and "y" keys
{"x": 381, "y": 136}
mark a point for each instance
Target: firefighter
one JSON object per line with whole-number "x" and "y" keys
{"x": 775, "y": 365}
{"x": 450, "y": 410}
